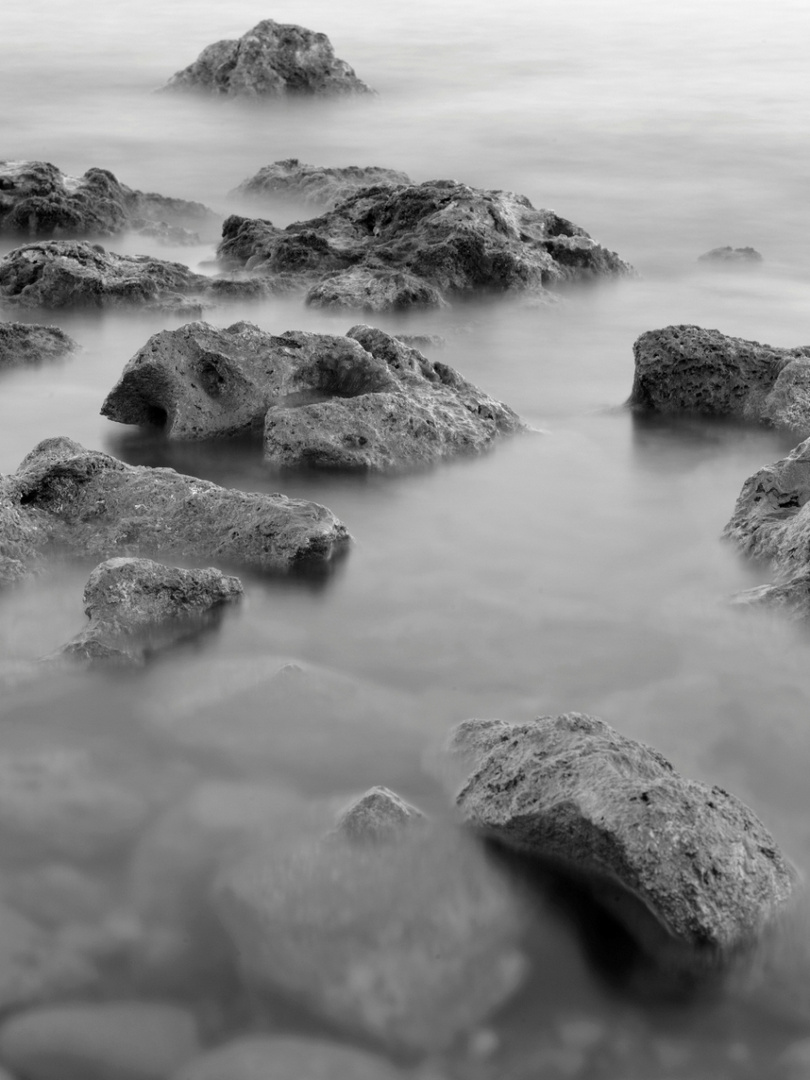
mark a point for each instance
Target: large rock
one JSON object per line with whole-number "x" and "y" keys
{"x": 137, "y": 606}
{"x": 92, "y": 503}
{"x": 366, "y": 400}
{"x": 453, "y": 239}
{"x": 270, "y": 61}
{"x": 39, "y": 200}
{"x": 573, "y": 790}
{"x": 686, "y": 369}
{"x": 28, "y": 343}
{"x": 77, "y": 274}
{"x": 316, "y": 184}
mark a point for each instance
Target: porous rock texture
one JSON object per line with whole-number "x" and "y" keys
{"x": 29, "y": 343}
{"x": 270, "y": 61}
{"x": 572, "y": 789}
{"x": 94, "y": 504}
{"x": 729, "y": 256}
{"x": 317, "y": 184}
{"x": 442, "y": 236}
{"x": 366, "y": 400}
{"x": 686, "y": 369}
{"x": 137, "y": 606}
{"x": 77, "y": 274}
{"x": 38, "y": 200}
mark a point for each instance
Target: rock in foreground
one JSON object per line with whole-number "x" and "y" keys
{"x": 573, "y": 790}
{"x": 270, "y": 61}
{"x": 441, "y": 238}
{"x": 27, "y": 343}
{"x": 91, "y": 503}
{"x": 686, "y": 369}
{"x": 317, "y": 184}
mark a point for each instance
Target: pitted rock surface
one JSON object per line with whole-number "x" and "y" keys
{"x": 317, "y": 184}
{"x": 28, "y": 343}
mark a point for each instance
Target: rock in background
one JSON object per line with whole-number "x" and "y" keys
{"x": 316, "y": 184}
{"x": 28, "y": 343}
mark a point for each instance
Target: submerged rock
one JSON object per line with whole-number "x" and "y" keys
{"x": 571, "y": 789}
{"x": 76, "y": 274}
{"x": 420, "y": 244}
{"x": 686, "y": 369}
{"x": 28, "y": 343}
{"x": 316, "y": 184}
{"x": 137, "y": 606}
{"x": 729, "y": 256}
{"x": 92, "y": 503}
{"x": 270, "y": 61}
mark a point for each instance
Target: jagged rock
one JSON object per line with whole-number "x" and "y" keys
{"x": 406, "y": 944}
{"x": 39, "y": 200}
{"x": 729, "y": 256}
{"x": 424, "y": 243}
{"x": 377, "y": 815}
{"x": 92, "y": 503}
{"x": 74, "y": 273}
{"x": 269, "y": 61}
{"x": 28, "y": 343}
{"x": 317, "y": 184}
{"x": 573, "y": 790}
{"x": 686, "y": 369}
{"x": 137, "y": 606}
{"x": 131, "y": 1040}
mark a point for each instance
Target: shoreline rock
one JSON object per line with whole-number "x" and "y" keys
{"x": 23, "y": 344}
{"x": 316, "y": 184}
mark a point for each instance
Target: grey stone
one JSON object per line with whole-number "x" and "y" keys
{"x": 729, "y": 256}
{"x": 137, "y": 606}
{"x": 28, "y": 343}
{"x": 270, "y": 61}
{"x": 388, "y": 247}
{"x": 686, "y": 369}
{"x": 92, "y": 503}
{"x": 378, "y": 815}
{"x": 20, "y": 539}
{"x": 570, "y": 788}
{"x": 105, "y": 1041}
{"x": 315, "y": 184}
{"x": 790, "y": 597}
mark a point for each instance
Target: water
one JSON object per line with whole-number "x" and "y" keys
{"x": 579, "y": 567}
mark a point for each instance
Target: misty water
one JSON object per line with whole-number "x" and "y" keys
{"x": 575, "y": 567}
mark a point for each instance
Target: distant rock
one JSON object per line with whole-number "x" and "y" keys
{"x": 686, "y": 369}
{"x": 316, "y": 184}
{"x": 729, "y": 256}
{"x": 693, "y": 860}
{"x": 75, "y": 274}
{"x": 137, "y": 606}
{"x": 91, "y": 503}
{"x": 28, "y": 343}
{"x": 272, "y": 60}
{"x": 389, "y": 247}
{"x": 378, "y": 815}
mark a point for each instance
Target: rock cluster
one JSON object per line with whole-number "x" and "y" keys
{"x": 292, "y": 179}
{"x": 28, "y": 343}
{"x": 387, "y": 247}
{"x": 270, "y": 61}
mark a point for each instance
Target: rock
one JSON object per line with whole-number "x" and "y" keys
{"x": 38, "y": 200}
{"x": 76, "y": 274}
{"x": 729, "y": 256}
{"x": 94, "y": 504}
{"x": 686, "y": 369}
{"x": 20, "y": 539}
{"x": 420, "y": 243}
{"x": 571, "y": 789}
{"x": 27, "y": 343}
{"x": 165, "y": 233}
{"x": 406, "y": 944}
{"x": 137, "y": 607}
{"x": 107, "y": 1041}
{"x": 379, "y": 815}
{"x": 790, "y": 597}
{"x": 316, "y": 184}
{"x": 266, "y": 1057}
{"x": 270, "y": 61}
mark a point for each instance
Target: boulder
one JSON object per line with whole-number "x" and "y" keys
{"x": 692, "y": 859}
{"x": 272, "y": 60}
{"x": 137, "y": 606}
{"x": 378, "y": 815}
{"x": 28, "y": 343}
{"x": 91, "y": 503}
{"x": 686, "y": 369}
{"x": 315, "y": 184}
{"x": 77, "y": 274}
{"x": 729, "y": 256}
{"x": 425, "y": 243}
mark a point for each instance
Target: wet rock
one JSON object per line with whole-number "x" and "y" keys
{"x": 259, "y": 1057}
{"x": 137, "y": 606}
{"x": 109, "y": 1041}
{"x": 421, "y": 243}
{"x": 76, "y": 274}
{"x": 378, "y": 815}
{"x": 407, "y": 944}
{"x": 27, "y": 343}
{"x": 270, "y": 61}
{"x": 316, "y": 184}
{"x": 686, "y": 369}
{"x": 20, "y": 539}
{"x": 571, "y": 789}
{"x": 729, "y": 256}
{"x": 91, "y": 503}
